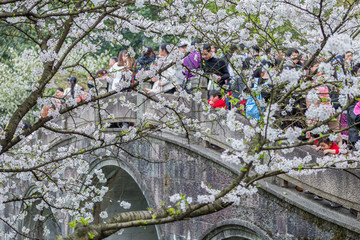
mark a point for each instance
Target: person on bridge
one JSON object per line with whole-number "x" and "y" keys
{"x": 216, "y": 100}
{"x": 58, "y": 95}
{"x": 74, "y": 90}
{"x": 192, "y": 63}
{"x": 166, "y": 80}
{"x": 292, "y": 60}
{"x": 121, "y": 69}
{"x": 145, "y": 61}
{"x": 179, "y": 76}
{"x": 56, "y": 103}
{"x": 102, "y": 80}
{"x": 112, "y": 61}
{"x": 328, "y": 146}
{"x": 215, "y": 69}
{"x": 111, "y": 72}
{"x": 253, "y": 58}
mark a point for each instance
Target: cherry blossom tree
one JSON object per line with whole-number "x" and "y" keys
{"x": 65, "y": 33}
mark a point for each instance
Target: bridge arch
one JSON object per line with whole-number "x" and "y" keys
{"x": 124, "y": 184}
{"x": 234, "y": 229}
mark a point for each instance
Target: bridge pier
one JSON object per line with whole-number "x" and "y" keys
{"x": 140, "y": 102}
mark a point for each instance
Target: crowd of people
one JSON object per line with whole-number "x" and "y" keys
{"x": 227, "y": 86}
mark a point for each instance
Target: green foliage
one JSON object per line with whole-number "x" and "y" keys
{"x": 137, "y": 40}
{"x": 171, "y": 211}
{"x": 212, "y": 6}
{"x": 84, "y": 221}
{"x": 11, "y": 40}
{"x": 91, "y": 236}
{"x": 72, "y": 224}
{"x": 300, "y": 167}
{"x": 18, "y": 75}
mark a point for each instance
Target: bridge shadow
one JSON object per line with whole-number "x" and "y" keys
{"x": 122, "y": 187}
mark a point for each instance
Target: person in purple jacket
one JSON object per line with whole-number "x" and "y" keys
{"x": 191, "y": 63}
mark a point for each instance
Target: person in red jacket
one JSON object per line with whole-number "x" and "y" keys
{"x": 216, "y": 100}
{"x": 328, "y": 146}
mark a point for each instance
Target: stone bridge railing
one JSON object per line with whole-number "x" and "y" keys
{"x": 334, "y": 185}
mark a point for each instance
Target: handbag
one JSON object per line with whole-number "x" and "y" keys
{"x": 251, "y": 109}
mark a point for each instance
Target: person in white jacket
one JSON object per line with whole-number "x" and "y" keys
{"x": 120, "y": 69}
{"x": 166, "y": 82}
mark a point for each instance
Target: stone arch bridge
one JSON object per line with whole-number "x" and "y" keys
{"x": 170, "y": 164}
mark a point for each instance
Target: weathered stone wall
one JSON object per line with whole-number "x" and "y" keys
{"x": 169, "y": 165}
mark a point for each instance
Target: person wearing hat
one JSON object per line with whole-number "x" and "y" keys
{"x": 180, "y": 78}
{"x": 191, "y": 63}
{"x": 182, "y": 46}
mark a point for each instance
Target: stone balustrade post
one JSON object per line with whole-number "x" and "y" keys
{"x": 140, "y": 102}
{"x": 199, "y": 84}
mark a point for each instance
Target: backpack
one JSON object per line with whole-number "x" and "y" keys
{"x": 251, "y": 110}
